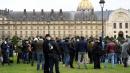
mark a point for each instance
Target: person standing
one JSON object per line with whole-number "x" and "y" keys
{"x": 96, "y": 52}
{"x": 54, "y": 56}
{"x": 29, "y": 52}
{"x": 18, "y": 50}
{"x": 66, "y": 52}
{"x": 72, "y": 52}
{"x": 5, "y": 52}
{"x": 34, "y": 46}
{"x": 111, "y": 48}
{"x": 124, "y": 53}
{"x": 46, "y": 53}
{"x": 51, "y": 55}
{"x": 39, "y": 52}
{"x": 90, "y": 48}
{"x": 82, "y": 49}
{"x": 25, "y": 51}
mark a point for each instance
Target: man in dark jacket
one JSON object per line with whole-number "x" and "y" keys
{"x": 34, "y": 46}
{"x": 54, "y": 57}
{"x": 25, "y": 51}
{"x": 97, "y": 54}
{"x": 72, "y": 52}
{"x": 5, "y": 52}
{"x": 40, "y": 54}
{"x": 66, "y": 53}
{"x": 82, "y": 49}
{"x": 90, "y": 48}
{"x": 18, "y": 49}
{"x": 51, "y": 55}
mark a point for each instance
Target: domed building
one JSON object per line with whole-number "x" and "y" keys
{"x": 83, "y": 22}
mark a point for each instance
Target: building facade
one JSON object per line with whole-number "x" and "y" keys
{"x": 118, "y": 22}
{"x": 83, "y": 22}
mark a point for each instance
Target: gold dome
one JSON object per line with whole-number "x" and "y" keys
{"x": 85, "y": 5}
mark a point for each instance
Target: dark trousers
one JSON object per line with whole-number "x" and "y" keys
{"x": 18, "y": 57}
{"x": 46, "y": 65}
{"x": 25, "y": 56}
{"x": 90, "y": 57}
{"x": 62, "y": 55}
{"x": 71, "y": 60}
{"x": 5, "y": 58}
{"x": 33, "y": 58}
{"x": 76, "y": 56}
{"x": 125, "y": 60}
{"x": 54, "y": 61}
{"x": 96, "y": 59}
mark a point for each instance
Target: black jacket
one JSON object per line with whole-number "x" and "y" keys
{"x": 50, "y": 47}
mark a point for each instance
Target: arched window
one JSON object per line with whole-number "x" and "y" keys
{"x": 120, "y": 25}
{"x": 126, "y": 25}
{"x": 114, "y": 25}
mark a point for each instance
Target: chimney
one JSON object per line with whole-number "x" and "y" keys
{"x": 8, "y": 10}
{"x": 92, "y": 11}
{"x": 34, "y": 13}
{"x": 0, "y": 11}
{"x": 61, "y": 15}
{"x": 42, "y": 11}
{"x": 52, "y": 10}
{"x": 25, "y": 12}
{"x": 61, "y": 11}
{"x": 5, "y": 11}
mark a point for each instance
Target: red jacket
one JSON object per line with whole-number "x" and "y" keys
{"x": 111, "y": 47}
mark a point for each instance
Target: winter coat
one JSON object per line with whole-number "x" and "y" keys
{"x": 39, "y": 46}
{"x": 124, "y": 52}
{"x": 111, "y": 47}
{"x": 82, "y": 46}
{"x": 97, "y": 49}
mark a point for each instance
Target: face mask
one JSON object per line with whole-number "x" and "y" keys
{"x": 5, "y": 42}
{"x": 27, "y": 42}
{"x": 77, "y": 40}
{"x": 48, "y": 38}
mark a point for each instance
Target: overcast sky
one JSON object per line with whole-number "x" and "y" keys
{"x": 66, "y": 5}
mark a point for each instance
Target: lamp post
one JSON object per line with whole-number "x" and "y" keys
{"x": 102, "y": 2}
{"x": 48, "y": 26}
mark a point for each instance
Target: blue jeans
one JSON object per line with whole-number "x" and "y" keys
{"x": 115, "y": 58}
{"x": 40, "y": 60}
{"x": 110, "y": 57}
{"x": 66, "y": 59}
{"x": 25, "y": 56}
{"x": 33, "y": 57}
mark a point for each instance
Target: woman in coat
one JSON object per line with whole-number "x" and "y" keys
{"x": 124, "y": 53}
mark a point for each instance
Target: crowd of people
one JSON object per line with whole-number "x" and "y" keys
{"x": 47, "y": 52}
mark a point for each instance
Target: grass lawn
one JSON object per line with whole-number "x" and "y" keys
{"x": 26, "y": 68}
